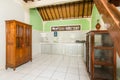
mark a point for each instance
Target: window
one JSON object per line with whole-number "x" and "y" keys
{"x": 65, "y": 28}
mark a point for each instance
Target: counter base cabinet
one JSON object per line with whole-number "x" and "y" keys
{"x": 100, "y": 56}
{"x": 18, "y": 43}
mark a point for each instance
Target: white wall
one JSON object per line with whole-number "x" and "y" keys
{"x": 8, "y": 10}
{"x": 36, "y": 50}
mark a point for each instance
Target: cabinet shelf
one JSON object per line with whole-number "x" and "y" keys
{"x": 102, "y": 74}
{"x": 103, "y": 47}
{"x": 102, "y": 63}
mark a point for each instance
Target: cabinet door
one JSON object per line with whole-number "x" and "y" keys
{"x": 26, "y": 54}
{"x": 27, "y": 43}
{"x": 10, "y": 44}
{"x": 19, "y": 56}
{"x": 103, "y": 40}
{"x": 19, "y": 36}
{"x": 103, "y": 51}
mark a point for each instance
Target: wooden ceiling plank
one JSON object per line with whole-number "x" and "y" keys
{"x": 48, "y": 18}
{"x": 54, "y": 10}
{"x": 88, "y": 9}
{"x": 44, "y": 18}
{"x": 91, "y": 7}
{"x": 115, "y": 2}
{"x": 28, "y": 0}
{"x": 58, "y": 11}
{"x": 80, "y": 12}
{"x": 83, "y": 10}
{"x": 45, "y": 13}
{"x": 62, "y": 13}
{"x": 51, "y": 12}
{"x": 67, "y": 10}
{"x": 78, "y": 8}
{"x": 72, "y": 10}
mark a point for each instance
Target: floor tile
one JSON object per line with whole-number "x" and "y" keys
{"x": 58, "y": 76}
{"x": 72, "y": 77}
{"x": 42, "y": 78}
{"x": 48, "y": 67}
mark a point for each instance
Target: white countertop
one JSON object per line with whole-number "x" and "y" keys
{"x": 60, "y": 43}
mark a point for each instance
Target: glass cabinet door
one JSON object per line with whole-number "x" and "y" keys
{"x": 103, "y": 40}
{"x": 19, "y": 36}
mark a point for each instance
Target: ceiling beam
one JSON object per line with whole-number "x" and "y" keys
{"x": 83, "y": 8}
{"x": 115, "y": 2}
{"x": 28, "y": 0}
{"x": 111, "y": 17}
{"x": 48, "y": 2}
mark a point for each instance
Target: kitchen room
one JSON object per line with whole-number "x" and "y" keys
{"x": 56, "y": 55}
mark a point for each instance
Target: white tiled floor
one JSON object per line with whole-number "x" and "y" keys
{"x": 48, "y": 67}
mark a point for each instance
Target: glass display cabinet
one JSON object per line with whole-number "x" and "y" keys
{"x": 100, "y": 56}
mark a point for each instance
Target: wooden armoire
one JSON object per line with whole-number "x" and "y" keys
{"x": 18, "y": 43}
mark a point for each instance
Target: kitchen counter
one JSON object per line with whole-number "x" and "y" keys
{"x": 61, "y": 43}
{"x": 66, "y": 48}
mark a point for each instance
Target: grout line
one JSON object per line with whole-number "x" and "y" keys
{"x": 43, "y": 69}
{"x": 78, "y": 67}
{"x": 67, "y": 69}
{"x": 54, "y": 71}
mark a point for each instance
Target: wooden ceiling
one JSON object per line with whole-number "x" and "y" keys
{"x": 72, "y": 10}
{"x": 115, "y": 2}
{"x": 79, "y": 9}
{"x": 28, "y": 0}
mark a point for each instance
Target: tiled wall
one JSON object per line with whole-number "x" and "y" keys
{"x": 35, "y": 42}
{"x": 63, "y": 36}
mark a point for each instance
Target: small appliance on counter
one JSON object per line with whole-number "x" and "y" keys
{"x": 80, "y": 41}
